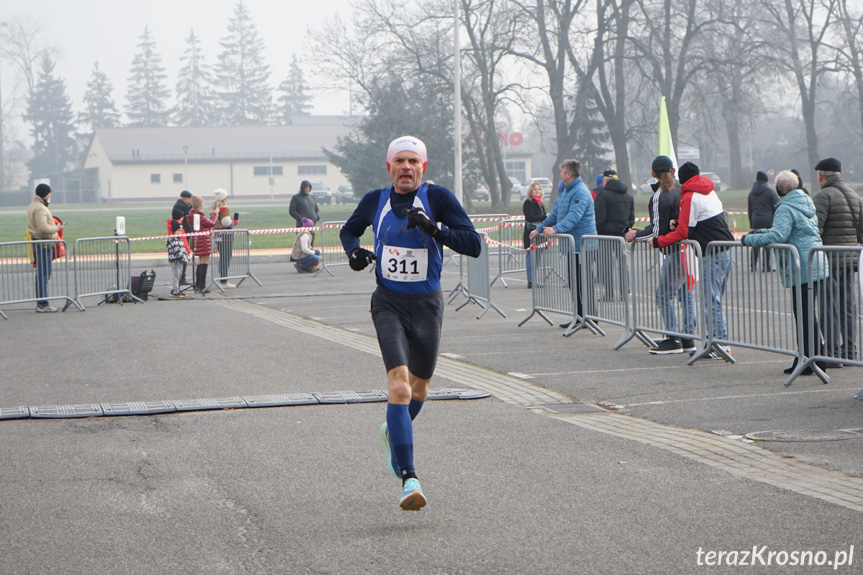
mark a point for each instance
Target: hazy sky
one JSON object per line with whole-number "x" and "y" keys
{"x": 109, "y": 31}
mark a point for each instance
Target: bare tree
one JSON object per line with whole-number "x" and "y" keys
{"x": 491, "y": 31}
{"x": 546, "y": 44}
{"x": 21, "y": 41}
{"x": 851, "y": 47}
{"x": 799, "y": 30}
{"x": 602, "y": 73}
{"x": 669, "y": 51}
{"x": 734, "y": 50}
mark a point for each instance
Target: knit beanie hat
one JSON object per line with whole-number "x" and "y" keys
{"x": 686, "y": 171}
{"x": 307, "y": 223}
{"x": 43, "y": 190}
{"x": 220, "y": 194}
{"x": 761, "y": 177}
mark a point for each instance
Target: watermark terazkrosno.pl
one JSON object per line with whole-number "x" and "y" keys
{"x": 764, "y": 556}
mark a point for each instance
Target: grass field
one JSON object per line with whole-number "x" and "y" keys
{"x": 144, "y": 220}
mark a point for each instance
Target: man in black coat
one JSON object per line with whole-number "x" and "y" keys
{"x": 615, "y": 215}
{"x": 181, "y": 209}
{"x": 762, "y": 205}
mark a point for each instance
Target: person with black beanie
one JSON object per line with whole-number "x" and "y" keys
{"x": 41, "y": 225}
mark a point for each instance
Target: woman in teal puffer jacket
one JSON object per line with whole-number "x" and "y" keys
{"x": 796, "y": 223}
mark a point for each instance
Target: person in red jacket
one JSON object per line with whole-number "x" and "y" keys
{"x": 203, "y": 243}
{"x": 702, "y": 218}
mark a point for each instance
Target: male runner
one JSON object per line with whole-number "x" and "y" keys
{"x": 412, "y": 222}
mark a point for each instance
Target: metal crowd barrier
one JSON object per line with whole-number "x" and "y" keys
{"x": 510, "y": 250}
{"x": 18, "y": 274}
{"x": 478, "y": 285}
{"x": 103, "y": 266}
{"x": 231, "y": 258}
{"x": 332, "y": 253}
{"x": 554, "y": 276}
{"x": 665, "y": 288}
{"x": 460, "y": 288}
{"x": 760, "y": 312}
{"x": 605, "y": 283}
{"x": 839, "y": 305}
{"x": 453, "y": 256}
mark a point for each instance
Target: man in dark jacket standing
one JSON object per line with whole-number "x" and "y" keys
{"x": 840, "y": 223}
{"x": 762, "y": 205}
{"x": 181, "y": 209}
{"x": 615, "y": 215}
{"x": 304, "y": 205}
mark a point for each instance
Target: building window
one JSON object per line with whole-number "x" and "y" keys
{"x": 517, "y": 169}
{"x": 320, "y": 170}
{"x": 155, "y": 178}
{"x": 178, "y": 178}
{"x": 265, "y": 170}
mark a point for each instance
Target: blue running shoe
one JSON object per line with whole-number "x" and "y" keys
{"x": 413, "y": 498}
{"x": 392, "y": 464}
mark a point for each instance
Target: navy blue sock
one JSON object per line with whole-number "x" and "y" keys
{"x": 401, "y": 436}
{"x": 414, "y": 408}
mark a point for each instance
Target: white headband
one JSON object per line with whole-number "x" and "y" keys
{"x": 407, "y": 144}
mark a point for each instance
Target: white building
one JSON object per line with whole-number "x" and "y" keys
{"x": 144, "y": 164}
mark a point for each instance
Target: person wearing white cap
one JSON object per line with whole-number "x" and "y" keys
{"x": 224, "y": 242}
{"x": 412, "y": 222}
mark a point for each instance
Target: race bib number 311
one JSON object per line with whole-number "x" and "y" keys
{"x": 405, "y": 264}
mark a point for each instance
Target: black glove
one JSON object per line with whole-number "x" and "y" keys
{"x": 417, "y": 218}
{"x": 360, "y": 258}
{"x": 743, "y": 239}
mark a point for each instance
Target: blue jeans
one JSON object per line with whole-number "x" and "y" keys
{"x": 527, "y": 267}
{"x": 310, "y": 261}
{"x": 719, "y": 268}
{"x": 672, "y": 282}
{"x": 44, "y": 254}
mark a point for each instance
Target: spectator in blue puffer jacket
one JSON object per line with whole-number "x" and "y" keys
{"x": 573, "y": 214}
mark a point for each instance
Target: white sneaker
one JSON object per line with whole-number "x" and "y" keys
{"x": 228, "y": 285}
{"x": 46, "y": 309}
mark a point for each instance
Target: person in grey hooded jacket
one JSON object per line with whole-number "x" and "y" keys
{"x": 795, "y": 223}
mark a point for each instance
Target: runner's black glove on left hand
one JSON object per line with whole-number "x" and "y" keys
{"x": 360, "y": 258}
{"x": 417, "y": 218}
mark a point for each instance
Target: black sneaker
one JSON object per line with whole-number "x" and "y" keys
{"x": 688, "y": 344}
{"x": 667, "y": 346}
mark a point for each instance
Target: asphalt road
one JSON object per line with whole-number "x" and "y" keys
{"x": 643, "y": 487}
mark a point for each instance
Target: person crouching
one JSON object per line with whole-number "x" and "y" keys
{"x": 304, "y": 256}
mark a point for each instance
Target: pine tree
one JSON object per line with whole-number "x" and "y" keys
{"x": 148, "y": 94}
{"x": 294, "y": 99}
{"x": 50, "y": 113}
{"x": 397, "y": 106}
{"x": 195, "y": 98}
{"x": 242, "y": 78}
{"x": 100, "y": 109}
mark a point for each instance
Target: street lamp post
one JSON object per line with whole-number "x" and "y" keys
{"x": 185, "y": 166}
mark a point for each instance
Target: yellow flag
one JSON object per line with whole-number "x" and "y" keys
{"x": 666, "y": 146}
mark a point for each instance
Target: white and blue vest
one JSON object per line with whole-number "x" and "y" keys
{"x": 408, "y": 261}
